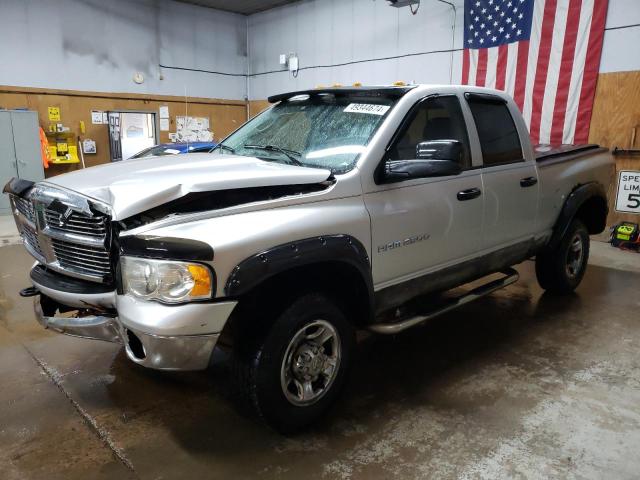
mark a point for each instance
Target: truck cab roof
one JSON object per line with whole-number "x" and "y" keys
{"x": 388, "y": 91}
{"x": 382, "y": 91}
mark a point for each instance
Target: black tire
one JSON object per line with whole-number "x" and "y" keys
{"x": 561, "y": 270}
{"x": 257, "y": 362}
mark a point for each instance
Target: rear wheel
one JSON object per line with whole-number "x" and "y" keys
{"x": 292, "y": 373}
{"x": 561, "y": 270}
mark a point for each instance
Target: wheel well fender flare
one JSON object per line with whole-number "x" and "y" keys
{"x": 578, "y": 198}
{"x": 256, "y": 269}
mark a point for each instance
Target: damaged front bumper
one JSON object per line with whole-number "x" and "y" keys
{"x": 163, "y": 337}
{"x": 96, "y": 327}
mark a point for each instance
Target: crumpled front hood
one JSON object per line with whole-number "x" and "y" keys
{"x": 134, "y": 186}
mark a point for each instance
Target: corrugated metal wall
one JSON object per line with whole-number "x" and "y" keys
{"x": 333, "y": 32}
{"x": 94, "y": 45}
{"x": 97, "y": 45}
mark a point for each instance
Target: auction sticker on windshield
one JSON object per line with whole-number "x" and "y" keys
{"x": 628, "y": 199}
{"x": 370, "y": 108}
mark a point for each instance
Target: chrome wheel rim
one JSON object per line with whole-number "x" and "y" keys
{"x": 310, "y": 363}
{"x": 575, "y": 256}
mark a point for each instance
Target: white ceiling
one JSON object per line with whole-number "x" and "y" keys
{"x": 245, "y": 7}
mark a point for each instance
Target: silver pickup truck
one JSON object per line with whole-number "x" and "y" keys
{"x": 323, "y": 215}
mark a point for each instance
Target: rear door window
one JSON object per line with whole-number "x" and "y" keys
{"x": 499, "y": 138}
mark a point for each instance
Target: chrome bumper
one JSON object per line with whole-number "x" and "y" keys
{"x": 91, "y": 326}
{"x": 186, "y": 344}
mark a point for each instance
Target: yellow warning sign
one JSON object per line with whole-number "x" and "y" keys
{"x": 54, "y": 114}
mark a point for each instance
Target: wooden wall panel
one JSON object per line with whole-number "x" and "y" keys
{"x": 257, "y": 106}
{"x": 616, "y": 123}
{"x": 224, "y": 115}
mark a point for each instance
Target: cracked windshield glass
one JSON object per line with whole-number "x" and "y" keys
{"x": 321, "y": 131}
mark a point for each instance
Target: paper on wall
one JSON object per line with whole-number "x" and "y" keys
{"x": 192, "y": 123}
{"x": 193, "y": 129}
{"x": 164, "y": 111}
{"x": 96, "y": 117}
{"x": 164, "y": 124}
{"x": 88, "y": 145}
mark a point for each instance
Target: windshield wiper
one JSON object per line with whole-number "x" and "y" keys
{"x": 290, "y": 154}
{"x": 222, "y": 146}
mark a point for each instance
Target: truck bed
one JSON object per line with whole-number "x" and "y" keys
{"x": 546, "y": 154}
{"x": 561, "y": 169}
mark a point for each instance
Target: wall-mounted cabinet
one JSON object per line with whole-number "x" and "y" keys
{"x": 19, "y": 149}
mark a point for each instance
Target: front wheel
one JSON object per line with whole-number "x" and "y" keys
{"x": 561, "y": 270}
{"x": 294, "y": 372}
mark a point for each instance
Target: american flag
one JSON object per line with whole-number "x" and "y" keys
{"x": 544, "y": 53}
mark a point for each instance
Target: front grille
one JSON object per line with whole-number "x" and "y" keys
{"x": 31, "y": 239}
{"x": 25, "y": 207}
{"x": 82, "y": 258}
{"x": 77, "y": 223}
{"x": 78, "y": 245}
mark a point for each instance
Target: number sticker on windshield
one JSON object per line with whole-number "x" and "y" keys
{"x": 367, "y": 108}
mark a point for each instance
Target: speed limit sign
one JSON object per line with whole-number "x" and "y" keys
{"x": 628, "y": 199}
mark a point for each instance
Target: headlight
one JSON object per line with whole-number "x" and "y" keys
{"x": 166, "y": 280}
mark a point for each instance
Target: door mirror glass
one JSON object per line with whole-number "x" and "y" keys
{"x": 401, "y": 170}
{"x": 440, "y": 150}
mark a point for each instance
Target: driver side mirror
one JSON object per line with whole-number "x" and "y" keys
{"x": 435, "y": 158}
{"x": 440, "y": 150}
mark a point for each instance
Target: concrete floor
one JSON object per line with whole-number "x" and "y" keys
{"x": 8, "y": 232}
{"x": 518, "y": 384}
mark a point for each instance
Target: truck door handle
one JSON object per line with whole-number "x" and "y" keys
{"x": 469, "y": 194}
{"x": 528, "y": 182}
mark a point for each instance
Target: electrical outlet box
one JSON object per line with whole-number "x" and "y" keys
{"x": 293, "y": 64}
{"x": 283, "y": 59}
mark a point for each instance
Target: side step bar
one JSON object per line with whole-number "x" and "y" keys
{"x": 510, "y": 276}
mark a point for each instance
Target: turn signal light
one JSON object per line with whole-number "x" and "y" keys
{"x": 201, "y": 279}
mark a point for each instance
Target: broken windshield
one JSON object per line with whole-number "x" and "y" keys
{"x": 323, "y": 131}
